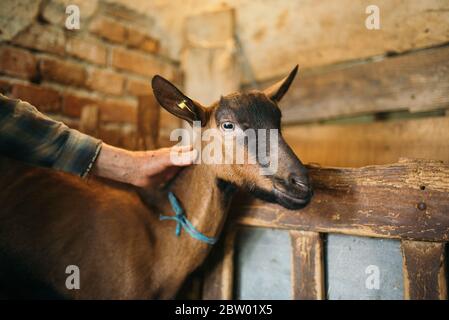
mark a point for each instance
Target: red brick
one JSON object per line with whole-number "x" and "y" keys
{"x": 17, "y": 62}
{"x": 150, "y": 45}
{"x": 134, "y": 37}
{"x": 46, "y": 38}
{"x": 137, "y": 39}
{"x": 45, "y": 99}
{"x": 138, "y": 87}
{"x": 61, "y": 71}
{"x": 118, "y": 111}
{"x": 88, "y": 49}
{"x": 114, "y": 110}
{"x": 105, "y": 81}
{"x": 136, "y": 62}
{"x": 108, "y": 29}
{"x": 72, "y": 104}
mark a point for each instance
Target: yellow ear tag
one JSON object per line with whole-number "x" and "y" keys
{"x": 183, "y": 105}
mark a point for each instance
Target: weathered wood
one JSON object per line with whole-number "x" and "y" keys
{"x": 307, "y": 265}
{"x": 417, "y": 81}
{"x": 276, "y": 35}
{"x": 147, "y": 123}
{"x": 356, "y": 145}
{"x": 219, "y": 273}
{"x": 408, "y": 200}
{"x": 119, "y": 136}
{"x": 167, "y": 124}
{"x": 90, "y": 120}
{"x": 280, "y": 34}
{"x": 424, "y": 270}
{"x": 209, "y": 61}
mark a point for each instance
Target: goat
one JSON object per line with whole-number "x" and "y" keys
{"x": 50, "y": 220}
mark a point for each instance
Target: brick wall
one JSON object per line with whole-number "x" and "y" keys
{"x": 108, "y": 62}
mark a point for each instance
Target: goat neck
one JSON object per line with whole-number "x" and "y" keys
{"x": 204, "y": 198}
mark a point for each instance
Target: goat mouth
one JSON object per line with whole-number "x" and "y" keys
{"x": 291, "y": 202}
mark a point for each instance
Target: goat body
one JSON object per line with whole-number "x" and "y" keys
{"x": 50, "y": 220}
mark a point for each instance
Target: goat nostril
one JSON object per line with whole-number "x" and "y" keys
{"x": 297, "y": 181}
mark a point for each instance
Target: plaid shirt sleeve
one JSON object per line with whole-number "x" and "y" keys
{"x": 30, "y": 136}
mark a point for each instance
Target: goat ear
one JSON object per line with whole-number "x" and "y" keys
{"x": 277, "y": 90}
{"x": 175, "y": 102}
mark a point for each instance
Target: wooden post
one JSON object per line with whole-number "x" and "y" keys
{"x": 307, "y": 266}
{"x": 219, "y": 279}
{"x": 424, "y": 270}
{"x": 209, "y": 59}
{"x": 147, "y": 123}
{"x": 90, "y": 120}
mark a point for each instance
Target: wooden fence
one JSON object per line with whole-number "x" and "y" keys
{"x": 407, "y": 200}
{"x": 380, "y": 76}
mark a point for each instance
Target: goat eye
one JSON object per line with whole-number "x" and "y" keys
{"x": 228, "y": 126}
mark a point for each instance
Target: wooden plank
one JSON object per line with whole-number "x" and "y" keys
{"x": 408, "y": 200}
{"x": 90, "y": 120}
{"x": 417, "y": 81}
{"x": 307, "y": 266}
{"x": 219, "y": 275}
{"x": 209, "y": 59}
{"x": 280, "y": 34}
{"x": 167, "y": 124}
{"x": 356, "y": 145}
{"x": 119, "y": 136}
{"x": 147, "y": 123}
{"x": 424, "y": 270}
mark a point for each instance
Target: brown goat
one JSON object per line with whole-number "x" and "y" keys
{"x": 50, "y": 220}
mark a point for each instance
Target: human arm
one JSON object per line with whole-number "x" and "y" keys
{"x": 30, "y": 136}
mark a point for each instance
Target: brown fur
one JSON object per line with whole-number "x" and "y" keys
{"x": 49, "y": 220}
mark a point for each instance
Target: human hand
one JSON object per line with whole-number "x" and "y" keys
{"x": 142, "y": 168}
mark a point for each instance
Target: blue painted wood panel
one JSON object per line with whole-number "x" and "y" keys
{"x": 263, "y": 264}
{"x": 363, "y": 268}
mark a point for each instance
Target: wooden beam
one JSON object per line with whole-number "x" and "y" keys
{"x": 147, "y": 123}
{"x": 308, "y": 266}
{"x": 90, "y": 120}
{"x": 356, "y": 145}
{"x": 219, "y": 271}
{"x": 209, "y": 59}
{"x": 312, "y": 34}
{"x": 424, "y": 270}
{"x": 118, "y": 136}
{"x": 407, "y": 200}
{"x": 416, "y": 82}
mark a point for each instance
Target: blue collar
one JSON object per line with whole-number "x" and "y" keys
{"x": 182, "y": 221}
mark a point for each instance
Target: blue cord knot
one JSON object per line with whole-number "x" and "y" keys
{"x": 182, "y": 221}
